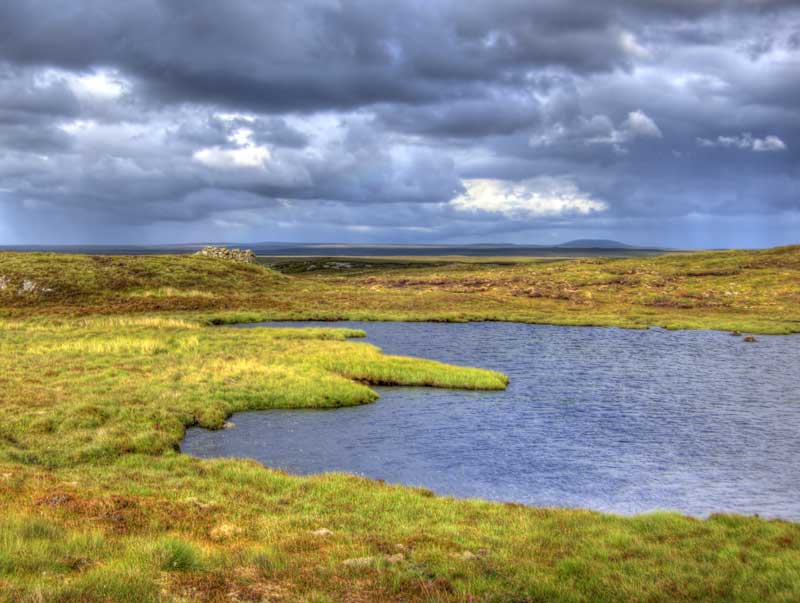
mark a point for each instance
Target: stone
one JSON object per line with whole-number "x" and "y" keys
{"x": 359, "y": 562}
{"x": 322, "y": 532}
{"x": 224, "y": 531}
{"x": 396, "y": 558}
{"x": 750, "y": 339}
{"x": 235, "y": 255}
{"x": 465, "y": 555}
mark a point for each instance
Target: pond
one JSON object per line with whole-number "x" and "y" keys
{"x": 609, "y": 419}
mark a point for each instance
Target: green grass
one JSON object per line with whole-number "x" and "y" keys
{"x": 105, "y": 362}
{"x": 91, "y": 390}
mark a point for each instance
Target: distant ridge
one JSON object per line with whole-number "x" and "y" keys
{"x": 595, "y": 244}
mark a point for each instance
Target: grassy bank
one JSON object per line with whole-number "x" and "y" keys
{"x": 105, "y": 361}
{"x": 753, "y": 291}
{"x": 92, "y": 390}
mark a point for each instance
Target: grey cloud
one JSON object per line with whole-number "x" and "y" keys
{"x": 369, "y": 117}
{"x": 290, "y": 56}
{"x": 470, "y": 118}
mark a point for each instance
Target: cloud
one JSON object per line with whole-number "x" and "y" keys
{"x": 244, "y": 154}
{"x": 434, "y": 121}
{"x": 770, "y": 143}
{"x": 637, "y": 124}
{"x": 241, "y": 157}
{"x": 543, "y": 197}
{"x": 745, "y": 141}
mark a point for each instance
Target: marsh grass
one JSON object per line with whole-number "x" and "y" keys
{"x": 97, "y": 503}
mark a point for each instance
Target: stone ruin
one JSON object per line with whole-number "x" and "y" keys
{"x": 234, "y": 255}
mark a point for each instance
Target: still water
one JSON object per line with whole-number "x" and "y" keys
{"x": 608, "y": 419}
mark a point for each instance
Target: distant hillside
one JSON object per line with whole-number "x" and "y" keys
{"x": 595, "y": 244}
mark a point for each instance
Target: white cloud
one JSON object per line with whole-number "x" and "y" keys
{"x": 630, "y": 45}
{"x": 746, "y": 142}
{"x": 100, "y": 84}
{"x": 535, "y": 197}
{"x": 639, "y": 124}
{"x": 103, "y": 84}
{"x": 770, "y": 143}
{"x": 246, "y": 155}
{"x": 599, "y": 129}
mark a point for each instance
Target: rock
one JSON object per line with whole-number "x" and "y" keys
{"x": 396, "y": 558}
{"x": 359, "y": 562}
{"x": 235, "y": 255}
{"x": 199, "y": 504}
{"x": 224, "y": 531}
{"x": 322, "y": 532}
{"x": 735, "y": 334}
{"x": 750, "y": 339}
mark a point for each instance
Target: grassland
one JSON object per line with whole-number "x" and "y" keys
{"x": 105, "y": 361}
{"x": 748, "y": 291}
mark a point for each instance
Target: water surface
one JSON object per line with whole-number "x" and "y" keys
{"x": 609, "y": 419}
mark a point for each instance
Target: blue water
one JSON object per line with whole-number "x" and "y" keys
{"x": 608, "y": 419}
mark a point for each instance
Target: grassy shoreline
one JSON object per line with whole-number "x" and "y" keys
{"x": 104, "y": 362}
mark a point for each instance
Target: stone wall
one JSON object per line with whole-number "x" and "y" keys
{"x": 234, "y": 255}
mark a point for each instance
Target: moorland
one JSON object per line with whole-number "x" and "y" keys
{"x": 106, "y": 360}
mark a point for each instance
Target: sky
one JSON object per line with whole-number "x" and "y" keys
{"x": 653, "y": 122}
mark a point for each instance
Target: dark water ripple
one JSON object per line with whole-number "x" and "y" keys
{"x": 609, "y": 419}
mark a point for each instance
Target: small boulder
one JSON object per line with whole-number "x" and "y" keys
{"x": 750, "y": 339}
{"x": 359, "y": 562}
{"x": 396, "y": 558}
{"x": 735, "y": 334}
{"x": 224, "y": 531}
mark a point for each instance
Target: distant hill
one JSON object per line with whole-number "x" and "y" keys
{"x": 595, "y": 244}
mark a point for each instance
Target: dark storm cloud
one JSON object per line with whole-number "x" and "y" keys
{"x": 313, "y": 55}
{"x": 398, "y": 120}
